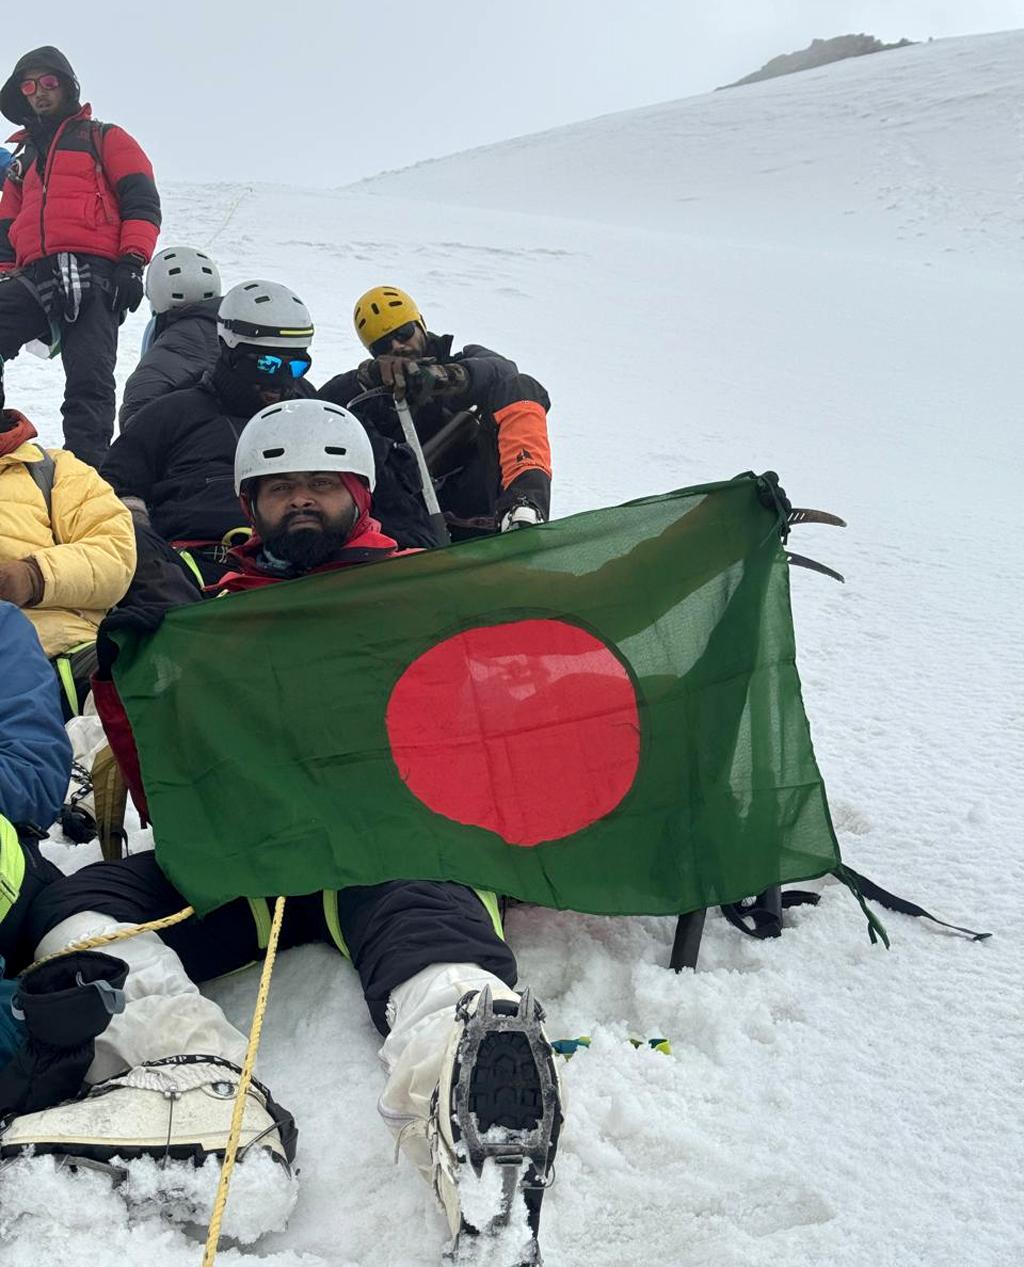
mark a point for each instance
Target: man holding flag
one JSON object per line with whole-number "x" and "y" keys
{"x": 602, "y": 714}
{"x": 435, "y": 969}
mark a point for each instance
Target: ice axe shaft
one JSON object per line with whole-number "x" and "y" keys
{"x": 437, "y": 519}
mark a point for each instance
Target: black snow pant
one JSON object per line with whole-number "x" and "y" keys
{"x": 89, "y": 351}
{"x": 391, "y": 931}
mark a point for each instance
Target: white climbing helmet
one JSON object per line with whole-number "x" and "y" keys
{"x": 178, "y": 276}
{"x": 303, "y": 435}
{"x": 266, "y": 315}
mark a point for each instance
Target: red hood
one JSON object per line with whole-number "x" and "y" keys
{"x": 365, "y": 542}
{"x": 21, "y": 431}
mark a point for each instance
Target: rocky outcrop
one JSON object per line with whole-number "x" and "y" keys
{"x": 818, "y": 53}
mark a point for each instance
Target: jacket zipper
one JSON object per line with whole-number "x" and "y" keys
{"x": 47, "y": 169}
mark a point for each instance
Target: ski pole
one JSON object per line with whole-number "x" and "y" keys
{"x": 437, "y": 519}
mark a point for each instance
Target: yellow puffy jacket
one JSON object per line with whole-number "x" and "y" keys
{"x": 87, "y": 557}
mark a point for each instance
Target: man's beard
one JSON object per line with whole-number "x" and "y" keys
{"x": 307, "y": 547}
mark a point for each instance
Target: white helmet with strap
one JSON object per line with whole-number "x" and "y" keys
{"x": 266, "y": 315}
{"x": 303, "y": 435}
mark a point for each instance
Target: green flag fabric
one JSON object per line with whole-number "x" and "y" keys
{"x": 602, "y": 713}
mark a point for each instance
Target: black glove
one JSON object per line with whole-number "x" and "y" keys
{"x": 127, "y": 289}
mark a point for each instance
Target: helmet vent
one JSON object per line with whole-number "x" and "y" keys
{"x": 262, "y": 299}
{"x": 335, "y": 450}
{"x": 273, "y": 453}
{"x": 174, "y": 272}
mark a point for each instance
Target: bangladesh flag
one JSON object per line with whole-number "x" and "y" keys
{"x": 602, "y": 713}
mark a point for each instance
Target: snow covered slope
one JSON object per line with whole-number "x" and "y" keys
{"x": 895, "y": 148}
{"x": 820, "y": 274}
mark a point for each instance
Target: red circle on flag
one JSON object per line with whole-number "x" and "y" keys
{"x": 528, "y": 729}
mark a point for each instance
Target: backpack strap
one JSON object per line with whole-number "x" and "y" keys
{"x": 21, "y": 160}
{"x": 97, "y": 131}
{"x": 43, "y": 474}
{"x": 864, "y": 890}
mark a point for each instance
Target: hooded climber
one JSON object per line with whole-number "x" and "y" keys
{"x": 79, "y": 219}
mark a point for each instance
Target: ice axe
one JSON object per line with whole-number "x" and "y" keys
{"x": 437, "y": 519}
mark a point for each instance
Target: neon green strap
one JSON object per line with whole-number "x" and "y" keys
{"x": 333, "y": 922}
{"x": 62, "y": 663}
{"x": 12, "y": 867}
{"x": 192, "y": 566}
{"x": 490, "y": 901}
{"x": 261, "y": 914}
{"x": 67, "y": 681}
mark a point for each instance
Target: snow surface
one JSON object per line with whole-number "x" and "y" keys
{"x": 819, "y": 274}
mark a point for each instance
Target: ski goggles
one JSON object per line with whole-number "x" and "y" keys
{"x": 31, "y": 86}
{"x": 261, "y": 365}
{"x": 403, "y": 334}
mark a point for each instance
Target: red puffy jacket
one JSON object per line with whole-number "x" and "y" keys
{"x": 94, "y": 195}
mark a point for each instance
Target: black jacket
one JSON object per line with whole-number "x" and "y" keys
{"x": 178, "y": 455}
{"x": 471, "y": 475}
{"x": 184, "y": 345}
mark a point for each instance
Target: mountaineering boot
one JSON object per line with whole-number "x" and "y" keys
{"x": 493, "y": 1130}
{"x": 178, "y": 1107}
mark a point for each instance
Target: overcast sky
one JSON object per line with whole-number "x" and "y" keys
{"x": 322, "y": 93}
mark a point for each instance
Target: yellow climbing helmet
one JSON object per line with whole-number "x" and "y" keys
{"x": 381, "y": 310}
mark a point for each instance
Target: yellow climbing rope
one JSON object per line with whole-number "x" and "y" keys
{"x": 230, "y": 1153}
{"x": 120, "y": 934}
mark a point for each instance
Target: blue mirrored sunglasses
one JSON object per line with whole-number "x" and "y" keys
{"x": 273, "y": 366}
